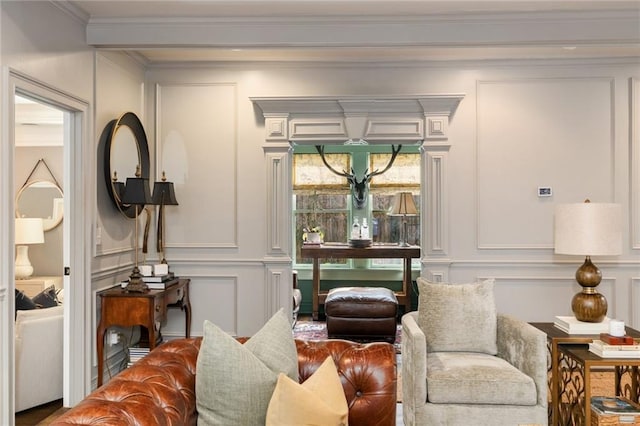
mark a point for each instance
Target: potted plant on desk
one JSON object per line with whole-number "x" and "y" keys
{"x": 312, "y": 235}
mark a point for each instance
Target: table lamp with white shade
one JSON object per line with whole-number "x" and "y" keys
{"x": 588, "y": 229}
{"x": 28, "y": 230}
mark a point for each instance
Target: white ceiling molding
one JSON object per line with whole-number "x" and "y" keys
{"x": 463, "y": 29}
{"x": 325, "y": 119}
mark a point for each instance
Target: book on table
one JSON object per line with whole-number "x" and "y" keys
{"x": 617, "y": 340}
{"x": 605, "y": 350}
{"x": 158, "y": 278}
{"x": 161, "y": 285}
{"x": 570, "y": 325}
{"x": 614, "y": 405}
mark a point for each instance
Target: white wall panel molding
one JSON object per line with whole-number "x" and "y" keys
{"x": 543, "y": 126}
{"x": 437, "y": 128}
{"x": 390, "y": 128}
{"x": 204, "y": 117}
{"x": 278, "y": 282}
{"x": 543, "y": 296}
{"x": 214, "y": 297}
{"x": 634, "y": 300}
{"x": 323, "y": 119}
{"x": 435, "y": 218}
{"x": 276, "y": 128}
{"x": 278, "y": 214}
{"x": 635, "y": 163}
{"x": 328, "y": 129}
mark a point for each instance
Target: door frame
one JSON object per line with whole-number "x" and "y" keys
{"x": 78, "y": 157}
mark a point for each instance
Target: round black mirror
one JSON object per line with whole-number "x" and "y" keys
{"x": 126, "y": 148}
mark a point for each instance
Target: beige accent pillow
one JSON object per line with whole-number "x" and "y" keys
{"x": 234, "y": 382}
{"x": 458, "y": 317}
{"x": 320, "y": 400}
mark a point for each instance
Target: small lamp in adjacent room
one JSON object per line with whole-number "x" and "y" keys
{"x": 588, "y": 229}
{"x": 403, "y": 205}
{"x": 163, "y": 195}
{"x": 29, "y": 230}
{"x": 136, "y": 193}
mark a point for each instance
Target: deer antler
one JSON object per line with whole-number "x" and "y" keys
{"x": 388, "y": 166}
{"x": 320, "y": 149}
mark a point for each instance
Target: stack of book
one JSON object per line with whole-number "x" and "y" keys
{"x": 614, "y": 405}
{"x": 630, "y": 349}
{"x": 571, "y": 325}
{"x": 158, "y": 282}
{"x": 136, "y": 353}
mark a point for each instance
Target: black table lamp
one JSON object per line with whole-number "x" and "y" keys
{"x": 136, "y": 193}
{"x": 163, "y": 195}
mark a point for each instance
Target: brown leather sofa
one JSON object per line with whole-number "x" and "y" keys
{"x": 160, "y": 388}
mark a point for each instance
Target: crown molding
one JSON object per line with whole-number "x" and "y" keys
{"x": 504, "y": 29}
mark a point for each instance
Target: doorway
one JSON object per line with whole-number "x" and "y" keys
{"x": 73, "y": 264}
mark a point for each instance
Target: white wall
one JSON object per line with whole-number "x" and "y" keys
{"x": 60, "y": 60}
{"x": 519, "y": 127}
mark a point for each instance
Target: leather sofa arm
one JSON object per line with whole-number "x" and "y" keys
{"x": 158, "y": 390}
{"x": 368, "y": 374}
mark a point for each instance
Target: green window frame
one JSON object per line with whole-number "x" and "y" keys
{"x": 321, "y": 198}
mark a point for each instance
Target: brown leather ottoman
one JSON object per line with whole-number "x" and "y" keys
{"x": 361, "y": 313}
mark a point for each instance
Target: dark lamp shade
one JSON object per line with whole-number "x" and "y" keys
{"x": 136, "y": 191}
{"x": 164, "y": 194}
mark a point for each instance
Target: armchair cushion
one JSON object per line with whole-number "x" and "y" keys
{"x": 458, "y": 317}
{"x": 476, "y": 378}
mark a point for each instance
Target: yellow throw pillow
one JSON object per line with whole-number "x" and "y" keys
{"x": 319, "y": 401}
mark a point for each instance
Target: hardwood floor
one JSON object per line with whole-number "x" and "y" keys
{"x": 40, "y": 415}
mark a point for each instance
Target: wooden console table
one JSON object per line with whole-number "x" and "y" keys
{"x": 149, "y": 309}
{"x": 344, "y": 251}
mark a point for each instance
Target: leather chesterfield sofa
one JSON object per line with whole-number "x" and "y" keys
{"x": 160, "y": 388}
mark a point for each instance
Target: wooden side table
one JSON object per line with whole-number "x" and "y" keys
{"x": 555, "y": 339}
{"x": 149, "y": 310}
{"x": 576, "y": 361}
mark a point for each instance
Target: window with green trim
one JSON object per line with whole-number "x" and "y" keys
{"x": 322, "y": 199}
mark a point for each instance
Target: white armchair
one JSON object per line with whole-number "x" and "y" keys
{"x": 38, "y": 356}
{"x": 486, "y": 369}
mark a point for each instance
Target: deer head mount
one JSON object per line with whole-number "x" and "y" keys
{"x": 359, "y": 189}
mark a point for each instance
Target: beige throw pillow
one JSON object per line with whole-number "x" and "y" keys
{"x": 320, "y": 400}
{"x": 234, "y": 382}
{"x": 458, "y": 317}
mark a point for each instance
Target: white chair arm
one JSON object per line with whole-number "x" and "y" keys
{"x": 414, "y": 363}
{"x": 525, "y": 347}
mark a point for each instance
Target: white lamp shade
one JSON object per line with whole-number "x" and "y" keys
{"x": 588, "y": 229}
{"x": 29, "y": 230}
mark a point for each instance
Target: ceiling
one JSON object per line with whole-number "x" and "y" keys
{"x": 256, "y": 25}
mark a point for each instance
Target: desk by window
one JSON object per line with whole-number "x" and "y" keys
{"x": 317, "y": 252}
